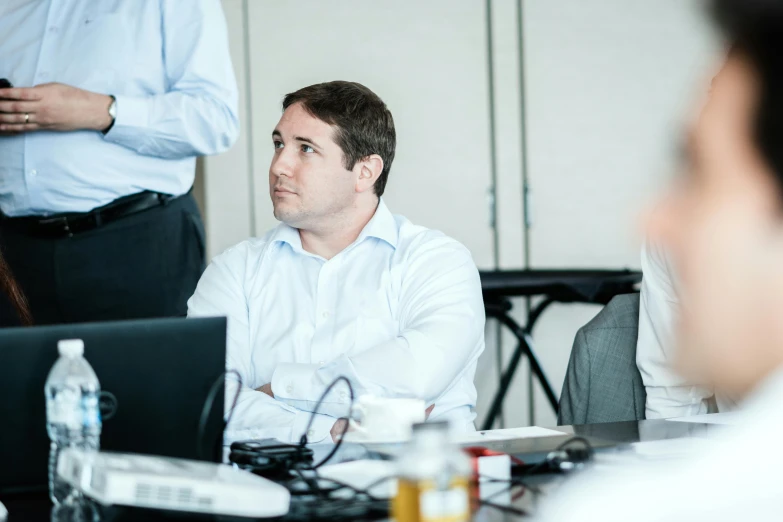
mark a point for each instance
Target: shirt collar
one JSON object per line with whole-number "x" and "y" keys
{"x": 287, "y": 234}
{"x": 382, "y": 226}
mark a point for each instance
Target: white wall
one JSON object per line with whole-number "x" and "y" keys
{"x": 428, "y": 68}
{"x": 228, "y": 201}
{"x": 606, "y": 85}
{"x": 610, "y": 86}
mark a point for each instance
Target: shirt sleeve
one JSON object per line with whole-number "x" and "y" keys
{"x": 442, "y": 333}
{"x": 198, "y": 115}
{"x": 668, "y": 394}
{"x": 220, "y": 292}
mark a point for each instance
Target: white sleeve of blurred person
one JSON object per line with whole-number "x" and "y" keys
{"x": 719, "y": 479}
{"x": 723, "y": 482}
{"x": 668, "y": 394}
{"x": 198, "y": 115}
{"x": 221, "y": 292}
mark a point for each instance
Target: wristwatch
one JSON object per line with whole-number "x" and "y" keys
{"x": 112, "y": 113}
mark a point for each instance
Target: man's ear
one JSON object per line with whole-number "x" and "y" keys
{"x": 369, "y": 170}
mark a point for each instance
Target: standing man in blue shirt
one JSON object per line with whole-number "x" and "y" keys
{"x": 112, "y": 103}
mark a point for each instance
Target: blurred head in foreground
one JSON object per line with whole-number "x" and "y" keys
{"x": 722, "y": 222}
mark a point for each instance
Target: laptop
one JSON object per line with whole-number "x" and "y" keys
{"x": 159, "y": 370}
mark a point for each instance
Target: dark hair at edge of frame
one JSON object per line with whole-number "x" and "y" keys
{"x": 13, "y": 293}
{"x": 754, "y": 29}
{"x": 364, "y": 125}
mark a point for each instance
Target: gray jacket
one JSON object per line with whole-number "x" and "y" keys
{"x": 602, "y": 383}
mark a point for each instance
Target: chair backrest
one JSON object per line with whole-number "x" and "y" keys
{"x": 602, "y": 383}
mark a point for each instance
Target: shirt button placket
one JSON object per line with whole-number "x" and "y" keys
{"x": 322, "y": 314}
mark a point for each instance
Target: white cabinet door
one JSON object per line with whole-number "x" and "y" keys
{"x": 610, "y": 84}
{"x": 226, "y": 177}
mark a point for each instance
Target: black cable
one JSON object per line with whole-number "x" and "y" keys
{"x": 325, "y": 506}
{"x": 342, "y": 485}
{"x": 317, "y": 500}
{"x": 582, "y": 440}
{"x": 312, "y": 484}
{"x": 206, "y": 410}
{"x": 512, "y": 483}
{"x": 550, "y": 458}
{"x": 296, "y": 455}
{"x": 338, "y": 443}
{"x": 236, "y": 396}
{"x": 365, "y": 491}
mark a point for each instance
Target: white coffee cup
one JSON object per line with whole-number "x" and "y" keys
{"x": 385, "y": 419}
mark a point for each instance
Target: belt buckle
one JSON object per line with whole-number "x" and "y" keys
{"x": 57, "y": 222}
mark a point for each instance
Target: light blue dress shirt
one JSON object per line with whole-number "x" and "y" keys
{"x": 166, "y": 61}
{"x": 399, "y": 313}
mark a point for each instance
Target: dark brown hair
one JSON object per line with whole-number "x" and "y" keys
{"x": 755, "y": 30}
{"x": 10, "y": 288}
{"x": 364, "y": 126}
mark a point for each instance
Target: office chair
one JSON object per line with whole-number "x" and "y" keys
{"x": 602, "y": 383}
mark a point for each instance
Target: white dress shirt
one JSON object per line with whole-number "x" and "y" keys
{"x": 167, "y": 63}
{"x": 668, "y": 394}
{"x": 734, "y": 476}
{"x": 399, "y": 312}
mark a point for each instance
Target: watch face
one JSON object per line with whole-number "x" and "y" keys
{"x": 113, "y": 108}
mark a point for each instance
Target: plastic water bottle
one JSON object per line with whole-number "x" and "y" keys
{"x": 73, "y": 417}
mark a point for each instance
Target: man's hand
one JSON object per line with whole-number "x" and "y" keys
{"x": 338, "y": 428}
{"x": 52, "y": 106}
{"x": 267, "y": 388}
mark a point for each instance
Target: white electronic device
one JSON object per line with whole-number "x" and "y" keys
{"x": 173, "y": 484}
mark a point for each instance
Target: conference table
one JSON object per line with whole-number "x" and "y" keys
{"x": 35, "y": 507}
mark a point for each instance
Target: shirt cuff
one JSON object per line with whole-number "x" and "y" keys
{"x": 295, "y": 382}
{"x": 320, "y": 430}
{"x": 132, "y": 112}
{"x": 301, "y": 385}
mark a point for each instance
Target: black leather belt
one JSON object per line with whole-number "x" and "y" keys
{"x": 66, "y": 225}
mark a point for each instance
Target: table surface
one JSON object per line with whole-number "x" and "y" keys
{"x": 565, "y": 285}
{"x": 37, "y": 508}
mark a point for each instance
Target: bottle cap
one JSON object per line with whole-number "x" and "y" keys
{"x": 71, "y": 347}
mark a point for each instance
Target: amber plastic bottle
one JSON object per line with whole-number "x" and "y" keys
{"x": 434, "y": 478}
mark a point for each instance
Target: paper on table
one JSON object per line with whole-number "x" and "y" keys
{"x": 666, "y": 449}
{"x": 730, "y": 418}
{"x": 528, "y": 432}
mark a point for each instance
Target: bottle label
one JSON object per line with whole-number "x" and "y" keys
{"x": 449, "y": 505}
{"x": 91, "y": 411}
{"x": 65, "y": 409}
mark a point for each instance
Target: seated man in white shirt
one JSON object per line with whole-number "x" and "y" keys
{"x": 722, "y": 226}
{"x": 342, "y": 287}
